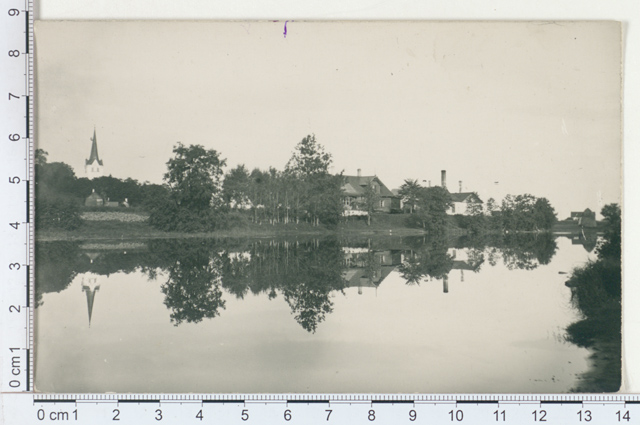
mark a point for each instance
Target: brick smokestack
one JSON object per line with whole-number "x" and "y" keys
{"x": 460, "y": 186}
{"x": 359, "y": 172}
{"x": 443, "y": 178}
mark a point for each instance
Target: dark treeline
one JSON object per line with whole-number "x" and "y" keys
{"x": 60, "y": 194}
{"x": 303, "y": 273}
{"x": 197, "y": 195}
{"x": 596, "y": 293}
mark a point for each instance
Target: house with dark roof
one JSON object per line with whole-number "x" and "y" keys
{"x": 354, "y": 188}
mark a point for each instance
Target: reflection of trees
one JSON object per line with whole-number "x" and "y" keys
{"x": 56, "y": 266}
{"x": 193, "y": 291}
{"x": 426, "y": 260}
{"x": 305, "y": 274}
{"x": 527, "y": 251}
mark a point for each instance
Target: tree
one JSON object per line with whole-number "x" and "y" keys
{"x": 236, "y": 186}
{"x": 526, "y": 213}
{"x": 194, "y": 201}
{"x": 309, "y": 158}
{"x": 194, "y": 177}
{"x": 611, "y": 247}
{"x": 317, "y": 192}
{"x": 370, "y": 200}
{"x": 410, "y": 192}
{"x": 431, "y": 211}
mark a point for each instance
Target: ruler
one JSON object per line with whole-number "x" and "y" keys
{"x": 16, "y": 177}
{"x": 20, "y": 404}
{"x": 323, "y": 409}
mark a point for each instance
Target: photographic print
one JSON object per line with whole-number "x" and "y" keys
{"x": 328, "y": 207}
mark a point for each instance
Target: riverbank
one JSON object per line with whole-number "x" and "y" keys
{"x": 126, "y": 227}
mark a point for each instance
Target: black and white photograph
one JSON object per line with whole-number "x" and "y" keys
{"x": 328, "y": 207}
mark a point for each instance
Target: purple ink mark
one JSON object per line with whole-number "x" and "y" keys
{"x": 285, "y": 29}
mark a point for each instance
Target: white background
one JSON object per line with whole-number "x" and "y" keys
{"x": 627, "y": 11}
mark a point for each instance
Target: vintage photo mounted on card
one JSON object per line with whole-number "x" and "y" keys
{"x": 328, "y": 207}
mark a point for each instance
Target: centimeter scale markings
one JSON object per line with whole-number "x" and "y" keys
{"x": 341, "y": 409}
{"x": 16, "y": 151}
{"x": 21, "y": 405}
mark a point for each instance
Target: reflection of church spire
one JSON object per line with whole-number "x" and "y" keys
{"x": 445, "y": 284}
{"x": 91, "y": 293}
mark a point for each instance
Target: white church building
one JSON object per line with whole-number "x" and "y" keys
{"x": 93, "y": 167}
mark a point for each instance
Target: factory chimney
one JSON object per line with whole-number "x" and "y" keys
{"x": 460, "y": 186}
{"x": 443, "y": 178}
{"x": 359, "y": 172}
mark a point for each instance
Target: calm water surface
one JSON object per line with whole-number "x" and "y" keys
{"x": 322, "y": 316}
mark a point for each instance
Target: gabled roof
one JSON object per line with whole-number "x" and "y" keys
{"x": 355, "y": 186}
{"x": 463, "y": 196}
{"x": 94, "y": 151}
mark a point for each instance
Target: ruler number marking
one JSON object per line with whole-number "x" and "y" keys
{"x": 413, "y": 415}
{"x": 539, "y": 415}
{"x": 13, "y": 96}
{"x": 158, "y": 415}
{"x": 500, "y": 415}
{"x": 13, "y": 12}
{"x": 14, "y": 137}
{"x": 584, "y": 415}
{"x": 328, "y": 413}
{"x": 623, "y": 416}
{"x": 457, "y": 415}
{"x": 245, "y": 415}
{"x": 199, "y": 415}
{"x": 372, "y": 415}
{"x": 116, "y": 413}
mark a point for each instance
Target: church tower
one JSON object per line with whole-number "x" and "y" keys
{"x": 93, "y": 166}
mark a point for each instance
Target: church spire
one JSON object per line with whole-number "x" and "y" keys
{"x": 91, "y": 293}
{"x": 94, "y": 150}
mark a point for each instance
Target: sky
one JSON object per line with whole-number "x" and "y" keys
{"x": 519, "y": 107}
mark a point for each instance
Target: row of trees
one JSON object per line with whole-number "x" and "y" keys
{"x": 197, "y": 195}
{"x": 428, "y": 208}
{"x": 200, "y": 194}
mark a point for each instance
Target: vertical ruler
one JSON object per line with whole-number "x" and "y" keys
{"x": 16, "y": 188}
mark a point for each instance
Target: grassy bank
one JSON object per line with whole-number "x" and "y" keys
{"x": 124, "y": 227}
{"x": 596, "y": 294}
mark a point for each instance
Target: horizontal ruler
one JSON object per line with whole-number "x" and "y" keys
{"x": 321, "y": 409}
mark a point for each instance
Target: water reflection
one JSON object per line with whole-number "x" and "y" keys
{"x": 304, "y": 273}
{"x": 418, "y": 285}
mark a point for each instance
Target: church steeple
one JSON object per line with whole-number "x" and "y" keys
{"x": 91, "y": 294}
{"x": 93, "y": 165}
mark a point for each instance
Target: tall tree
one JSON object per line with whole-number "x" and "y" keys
{"x": 194, "y": 177}
{"x": 410, "y": 192}
{"x": 309, "y": 158}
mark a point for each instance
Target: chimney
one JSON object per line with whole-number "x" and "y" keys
{"x": 460, "y": 186}
{"x": 429, "y": 183}
{"x": 359, "y": 172}
{"x": 443, "y": 178}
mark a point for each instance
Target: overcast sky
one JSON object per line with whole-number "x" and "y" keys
{"x": 503, "y": 107}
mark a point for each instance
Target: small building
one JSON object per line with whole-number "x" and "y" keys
{"x": 462, "y": 201}
{"x": 588, "y": 219}
{"x": 94, "y": 200}
{"x": 354, "y": 188}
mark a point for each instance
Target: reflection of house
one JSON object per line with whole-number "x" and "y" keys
{"x": 588, "y": 238}
{"x": 368, "y": 269}
{"x": 354, "y": 189}
{"x": 94, "y": 200}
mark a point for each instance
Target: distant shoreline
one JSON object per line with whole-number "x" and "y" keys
{"x": 383, "y": 225}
